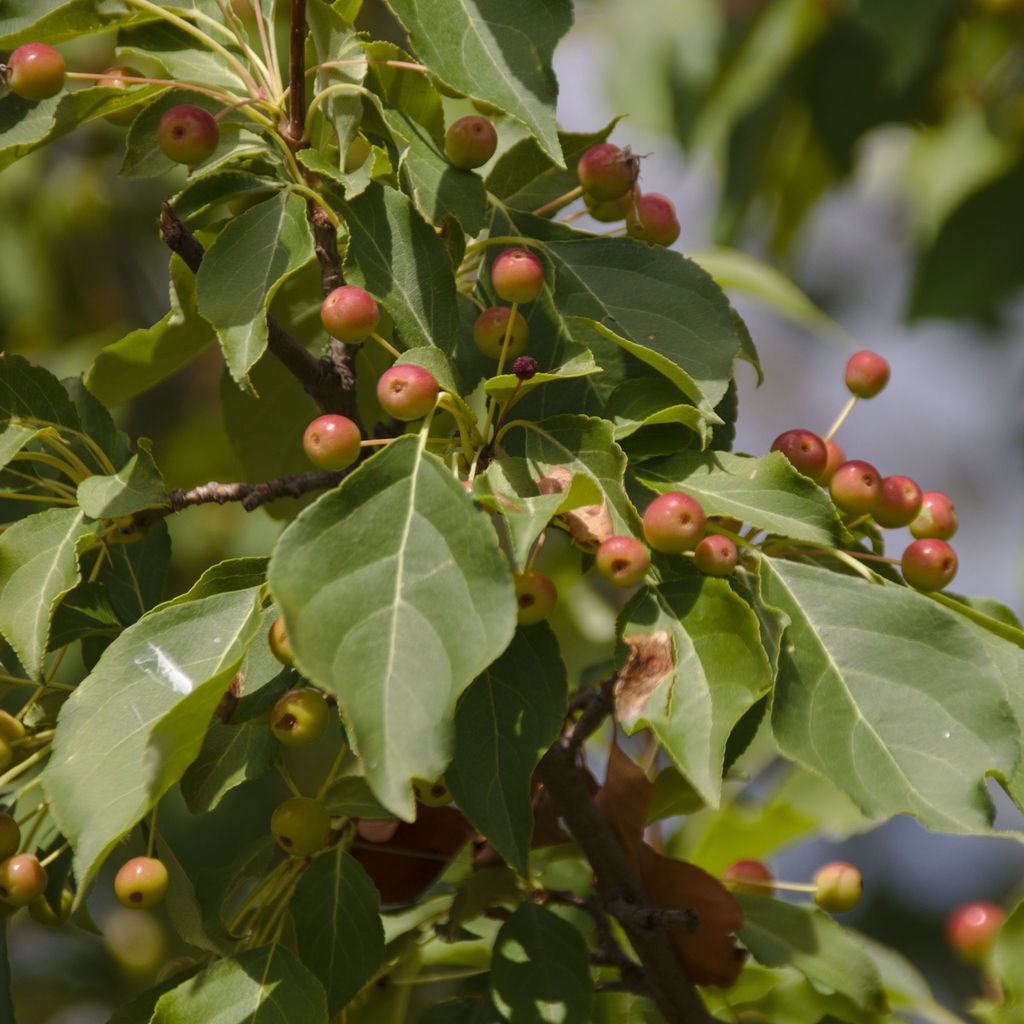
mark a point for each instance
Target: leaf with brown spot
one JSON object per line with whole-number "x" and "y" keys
{"x": 589, "y": 525}
{"x": 416, "y": 855}
{"x": 650, "y": 662}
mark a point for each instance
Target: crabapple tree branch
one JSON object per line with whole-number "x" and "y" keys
{"x": 252, "y": 496}
{"x": 319, "y": 377}
{"x": 297, "y": 74}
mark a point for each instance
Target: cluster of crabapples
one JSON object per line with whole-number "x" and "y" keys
{"x": 865, "y": 497}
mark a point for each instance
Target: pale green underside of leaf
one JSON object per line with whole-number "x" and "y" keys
{"x": 503, "y": 724}
{"x": 496, "y": 52}
{"x": 396, "y": 597}
{"x": 242, "y": 271}
{"x": 897, "y": 700}
{"x": 639, "y": 403}
{"x": 336, "y": 910}
{"x": 14, "y": 437}
{"x": 55, "y": 21}
{"x": 38, "y": 566}
{"x": 780, "y": 934}
{"x": 263, "y": 986}
{"x": 136, "y": 486}
{"x": 138, "y": 720}
{"x": 765, "y": 492}
{"x": 718, "y": 670}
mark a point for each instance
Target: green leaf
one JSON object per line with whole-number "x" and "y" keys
{"x": 138, "y": 485}
{"x": 38, "y": 566}
{"x": 31, "y": 393}
{"x": 336, "y": 911}
{"x": 178, "y": 56}
{"x": 579, "y": 364}
{"x": 782, "y": 934}
{"x": 737, "y": 271}
{"x": 503, "y": 724}
{"x": 98, "y": 425}
{"x": 495, "y": 54}
{"x": 164, "y": 677}
{"x": 14, "y": 437}
{"x": 371, "y": 580}
{"x": 334, "y": 39}
{"x": 26, "y": 125}
{"x": 693, "y": 665}
{"x": 394, "y": 254}
{"x": 230, "y": 755}
{"x": 146, "y": 356}
{"x": 55, "y": 21}
{"x": 651, "y": 401}
{"x": 85, "y": 611}
{"x": 243, "y": 269}
{"x": 183, "y": 907}
{"x": 261, "y": 986}
{"x": 879, "y": 669}
{"x": 512, "y": 492}
{"x": 1007, "y": 957}
{"x": 766, "y": 492}
{"x": 524, "y": 177}
{"x": 582, "y": 444}
{"x": 134, "y": 573}
{"x": 654, "y": 303}
{"x": 541, "y": 969}
{"x": 224, "y": 578}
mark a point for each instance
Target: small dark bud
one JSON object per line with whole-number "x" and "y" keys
{"x": 524, "y": 367}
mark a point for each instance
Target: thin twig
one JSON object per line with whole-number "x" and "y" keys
{"x": 297, "y": 74}
{"x": 253, "y": 495}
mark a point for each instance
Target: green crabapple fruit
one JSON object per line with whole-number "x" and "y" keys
{"x": 900, "y": 503}
{"x": 489, "y": 332}
{"x": 535, "y": 595}
{"x": 332, "y": 442}
{"x": 10, "y": 727}
{"x": 299, "y": 717}
{"x": 517, "y": 275}
{"x": 6, "y": 754}
{"x": 22, "y": 879}
{"x": 937, "y": 517}
{"x": 301, "y": 826}
{"x": 674, "y": 522}
{"x": 607, "y": 172}
{"x": 839, "y": 887}
{"x": 432, "y": 794}
{"x": 279, "y": 645}
{"x": 805, "y": 450}
{"x": 748, "y": 876}
{"x": 612, "y": 210}
{"x": 141, "y": 883}
{"x": 867, "y": 373}
{"x": 35, "y": 71}
{"x": 470, "y": 142}
{"x": 971, "y": 929}
{"x": 407, "y": 392}
{"x": 652, "y": 219}
{"x": 929, "y": 564}
{"x": 114, "y": 78}
{"x": 715, "y": 555}
{"x": 856, "y": 487}
{"x": 10, "y": 836}
{"x": 836, "y": 457}
{"x": 187, "y": 134}
{"x": 350, "y": 314}
{"x": 623, "y": 561}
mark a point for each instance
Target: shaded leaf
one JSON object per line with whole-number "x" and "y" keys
{"x": 503, "y": 724}
{"x": 137, "y": 486}
{"x": 230, "y": 755}
{"x": 134, "y": 573}
{"x": 337, "y": 918}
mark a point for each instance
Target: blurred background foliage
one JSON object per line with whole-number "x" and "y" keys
{"x": 873, "y": 150}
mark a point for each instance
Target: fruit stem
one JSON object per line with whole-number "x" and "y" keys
{"x": 259, "y": 890}
{"x": 288, "y": 779}
{"x": 324, "y": 94}
{"x": 573, "y": 193}
{"x": 38, "y": 809}
{"x": 57, "y": 444}
{"x": 151, "y": 840}
{"x": 269, "y": 52}
{"x": 46, "y": 498}
{"x": 841, "y": 418}
{"x": 22, "y": 767}
{"x": 332, "y": 773}
{"x": 508, "y": 337}
{"x": 405, "y": 64}
{"x": 483, "y": 243}
{"x": 802, "y": 887}
{"x": 386, "y": 345}
{"x": 221, "y": 97}
{"x": 232, "y": 23}
{"x": 50, "y": 858}
{"x": 572, "y": 216}
{"x": 437, "y": 979}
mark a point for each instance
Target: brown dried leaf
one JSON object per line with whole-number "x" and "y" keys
{"x": 625, "y": 799}
{"x": 651, "y": 660}
{"x": 416, "y": 855}
{"x": 588, "y": 524}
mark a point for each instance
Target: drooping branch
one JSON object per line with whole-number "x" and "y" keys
{"x": 318, "y": 377}
{"x": 615, "y": 879}
{"x": 297, "y": 74}
{"x": 252, "y": 496}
